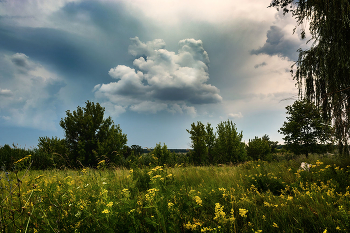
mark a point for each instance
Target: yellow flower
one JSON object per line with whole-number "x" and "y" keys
{"x": 275, "y": 225}
{"x": 219, "y": 213}
{"x": 337, "y": 228}
{"x": 243, "y": 212}
{"x": 198, "y": 200}
{"x": 110, "y": 204}
{"x": 325, "y": 230}
{"x": 105, "y": 211}
{"x": 170, "y": 205}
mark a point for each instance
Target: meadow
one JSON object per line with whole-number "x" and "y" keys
{"x": 255, "y": 196}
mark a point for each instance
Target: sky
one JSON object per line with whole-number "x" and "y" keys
{"x": 156, "y": 66}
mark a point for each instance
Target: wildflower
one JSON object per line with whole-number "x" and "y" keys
{"x": 232, "y": 218}
{"x": 219, "y": 213}
{"x": 156, "y": 176}
{"x": 275, "y": 225}
{"x": 198, "y": 200}
{"x": 110, "y": 204}
{"x": 170, "y": 205}
{"x": 325, "y": 230}
{"x": 243, "y": 212}
{"x": 190, "y": 226}
{"x": 105, "y": 211}
{"x": 338, "y": 228}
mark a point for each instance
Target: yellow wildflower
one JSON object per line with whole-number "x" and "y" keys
{"x": 243, "y": 212}
{"x": 105, "y": 211}
{"x": 198, "y": 200}
{"x": 110, "y": 204}
{"x": 275, "y": 225}
{"x": 170, "y": 205}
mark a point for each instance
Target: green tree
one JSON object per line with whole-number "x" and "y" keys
{"x": 137, "y": 149}
{"x": 162, "y": 153}
{"x": 323, "y": 71}
{"x": 305, "y": 130}
{"x": 210, "y": 142}
{"x": 258, "y": 148}
{"x": 89, "y": 135}
{"x": 199, "y": 143}
{"x": 53, "y": 152}
{"x": 228, "y": 145}
{"x": 272, "y": 144}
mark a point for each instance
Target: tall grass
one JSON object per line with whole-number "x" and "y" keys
{"x": 250, "y": 197}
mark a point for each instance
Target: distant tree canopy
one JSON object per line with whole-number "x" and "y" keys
{"x": 305, "y": 130}
{"x": 323, "y": 71}
{"x": 90, "y": 136}
{"x": 223, "y": 147}
{"x": 258, "y": 148}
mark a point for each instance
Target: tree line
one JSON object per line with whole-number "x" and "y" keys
{"x": 94, "y": 141}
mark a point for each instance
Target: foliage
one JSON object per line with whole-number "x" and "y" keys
{"x": 161, "y": 153}
{"x": 272, "y": 144}
{"x": 224, "y": 146}
{"x": 323, "y": 71}
{"x": 305, "y": 130}
{"x": 89, "y": 135}
{"x": 210, "y": 142}
{"x": 228, "y": 144}
{"x": 258, "y": 148}
{"x": 9, "y": 155}
{"x": 137, "y": 149}
{"x": 199, "y": 140}
{"x": 53, "y": 151}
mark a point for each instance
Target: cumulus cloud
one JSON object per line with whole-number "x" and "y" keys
{"x": 29, "y": 95}
{"x": 162, "y": 80}
{"x": 279, "y": 44}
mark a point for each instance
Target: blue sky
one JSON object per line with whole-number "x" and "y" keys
{"x": 156, "y": 66}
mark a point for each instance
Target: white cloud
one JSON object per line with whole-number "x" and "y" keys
{"x": 113, "y": 110}
{"x": 164, "y": 80}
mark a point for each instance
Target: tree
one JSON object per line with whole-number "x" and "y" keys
{"x": 272, "y": 144}
{"x": 199, "y": 145}
{"x": 210, "y": 142}
{"x": 228, "y": 145}
{"x": 323, "y": 71}
{"x": 305, "y": 130}
{"x": 137, "y": 149}
{"x": 89, "y": 135}
{"x": 258, "y": 148}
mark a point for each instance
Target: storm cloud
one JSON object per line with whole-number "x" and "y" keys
{"x": 162, "y": 78}
{"x": 277, "y": 44}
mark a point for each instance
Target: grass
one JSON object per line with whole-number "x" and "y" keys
{"x": 250, "y": 197}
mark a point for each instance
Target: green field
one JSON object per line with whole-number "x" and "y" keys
{"x": 250, "y": 197}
